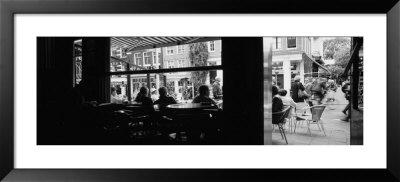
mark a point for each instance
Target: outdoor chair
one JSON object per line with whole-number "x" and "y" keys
{"x": 278, "y": 118}
{"x": 316, "y": 113}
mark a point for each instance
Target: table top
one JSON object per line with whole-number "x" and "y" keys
{"x": 191, "y": 106}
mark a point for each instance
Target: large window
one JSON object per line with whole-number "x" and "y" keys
{"x": 181, "y": 69}
{"x": 291, "y": 42}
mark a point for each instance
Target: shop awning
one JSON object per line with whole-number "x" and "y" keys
{"x": 321, "y": 66}
{"x": 140, "y": 43}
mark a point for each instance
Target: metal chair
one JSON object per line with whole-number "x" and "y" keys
{"x": 278, "y": 118}
{"x": 316, "y": 113}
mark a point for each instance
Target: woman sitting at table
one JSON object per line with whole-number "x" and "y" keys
{"x": 143, "y": 97}
{"x": 115, "y": 98}
{"x": 204, "y": 95}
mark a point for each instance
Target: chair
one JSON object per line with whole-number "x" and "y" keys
{"x": 291, "y": 118}
{"x": 316, "y": 113}
{"x": 278, "y": 118}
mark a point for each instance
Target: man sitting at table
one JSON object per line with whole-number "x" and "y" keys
{"x": 164, "y": 99}
{"x": 204, "y": 95}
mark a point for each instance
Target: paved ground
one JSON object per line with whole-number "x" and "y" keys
{"x": 337, "y": 131}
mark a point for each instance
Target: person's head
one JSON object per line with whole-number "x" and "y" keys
{"x": 297, "y": 78}
{"x": 217, "y": 79}
{"x": 204, "y": 90}
{"x": 283, "y": 92}
{"x": 144, "y": 90}
{"x": 162, "y": 91}
{"x": 113, "y": 91}
{"x": 275, "y": 90}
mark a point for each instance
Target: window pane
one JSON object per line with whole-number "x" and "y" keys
{"x": 182, "y": 86}
{"x": 291, "y": 42}
{"x": 119, "y": 83}
{"x": 78, "y": 61}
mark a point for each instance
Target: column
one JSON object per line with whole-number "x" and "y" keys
{"x": 287, "y": 76}
{"x": 301, "y": 70}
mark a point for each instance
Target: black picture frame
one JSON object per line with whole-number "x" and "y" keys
{"x": 8, "y": 8}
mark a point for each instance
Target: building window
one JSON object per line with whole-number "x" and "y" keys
{"x": 181, "y": 49}
{"x": 181, "y": 63}
{"x": 138, "y": 59}
{"x": 170, "y": 50}
{"x": 277, "y": 43}
{"x": 147, "y": 58}
{"x": 291, "y": 42}
{"x": 211, "y": 46}
{"x": 170, "y": 64}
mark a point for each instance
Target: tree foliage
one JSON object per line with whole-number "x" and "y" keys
{"x": 338, "y": 49}
{"x": 198, "y": 55}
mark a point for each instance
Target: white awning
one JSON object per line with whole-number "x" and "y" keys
{"x": 140, "y": 43}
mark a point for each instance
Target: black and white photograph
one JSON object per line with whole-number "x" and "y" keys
{"x": 317, "y": 90}
{"x": 141, "y": 91}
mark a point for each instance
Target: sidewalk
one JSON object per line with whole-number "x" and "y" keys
{"x": 337, "y": 131}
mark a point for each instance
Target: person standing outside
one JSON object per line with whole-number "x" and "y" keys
{"x": 296, "y": 86}
{"x": 216, "y": 88}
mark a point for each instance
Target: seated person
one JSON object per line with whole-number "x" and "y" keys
{"x": 277, "y": 104}
{"x": 204, "y": 96}
{"x": 164, "y": 99}
{"x": 143, "y": 97}
{"x": 115, "y": 98}
{"x": 288, "y": 101}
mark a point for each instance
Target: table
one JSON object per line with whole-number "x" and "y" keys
{"x": 191, "y": 106}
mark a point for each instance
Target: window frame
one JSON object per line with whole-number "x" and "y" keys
{"x": 169, "y": 69}
{"x": 148, "y": 56}
{"x": 135, "y": 58}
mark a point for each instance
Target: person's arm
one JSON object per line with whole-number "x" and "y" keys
{"x": 301, "y": 87}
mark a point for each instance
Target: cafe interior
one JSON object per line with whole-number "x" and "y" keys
{"x": 76, "y": 77}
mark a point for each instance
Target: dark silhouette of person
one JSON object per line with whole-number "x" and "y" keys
{"x": 295, "y": 87}
{"x": 143, "y": 97}
{"x": 277, "y": 104}
{"x": 204, "y": 95}
{"x": 164, "y": 99}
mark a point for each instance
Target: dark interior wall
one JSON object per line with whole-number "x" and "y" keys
{"x": 95, "y": 65}
{"x": 54, "y": 68}
{"x": 243, "y": 88}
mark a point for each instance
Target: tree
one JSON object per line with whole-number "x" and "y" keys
{"x": 198, "y": 55}
{"x": 337, "y": 49}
